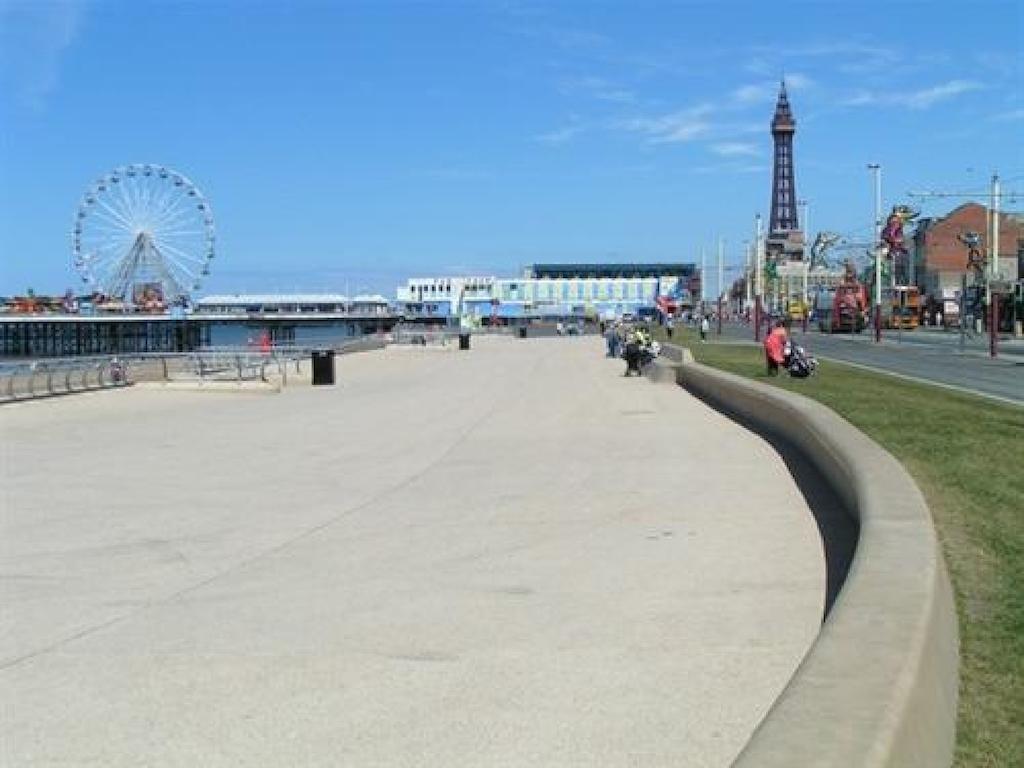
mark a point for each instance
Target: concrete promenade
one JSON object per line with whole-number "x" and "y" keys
{"x": 511, "y": 556}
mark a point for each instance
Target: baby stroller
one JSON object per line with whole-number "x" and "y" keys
{"x": 799, "y": 364}
{"x": 648, "y": 353}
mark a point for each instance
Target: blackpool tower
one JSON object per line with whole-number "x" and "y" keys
{"x": 785, "y": 239}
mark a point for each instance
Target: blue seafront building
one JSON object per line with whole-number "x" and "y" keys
{"x": 550, "y": 291}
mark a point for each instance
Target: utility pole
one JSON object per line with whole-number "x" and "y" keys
{"x": 721, "y": 279}
{"x": 993, "y": 271}
{"x": 703, "y": 278}
{"x": 877, "y": 170}
{"x": 993, "y": 249}
{"x": 758, "y": 294}
{"x": 747, "y": 271}
{"x": 807, "y": 233}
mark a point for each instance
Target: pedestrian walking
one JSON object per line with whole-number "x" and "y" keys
{"x": 705, "y": 326}
{"x": 668, "y": 327}
{"x": 612, "y": 340}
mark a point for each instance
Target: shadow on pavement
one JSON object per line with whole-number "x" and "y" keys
{"x": 837, "y": 525}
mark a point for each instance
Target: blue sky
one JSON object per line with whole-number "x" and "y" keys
{"x": 359, "y": 143}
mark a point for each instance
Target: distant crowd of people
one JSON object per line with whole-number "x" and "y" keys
{"x": 632, "y": 342}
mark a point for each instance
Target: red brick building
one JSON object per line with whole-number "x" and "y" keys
{"x": 940, "y": 259}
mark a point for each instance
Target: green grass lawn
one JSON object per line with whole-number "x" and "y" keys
{"x": 967, "y": 455}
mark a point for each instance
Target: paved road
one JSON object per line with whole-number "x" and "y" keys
{"x": 925, "y": 354}
{"x": 508, "y": 556}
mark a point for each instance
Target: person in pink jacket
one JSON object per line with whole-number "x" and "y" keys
{"x": 774, "y": 346}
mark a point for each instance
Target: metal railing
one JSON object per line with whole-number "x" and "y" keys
{"x": 45, "y": 378}
{"x": 425, "y": 338}
{"x": 60, "y": 376}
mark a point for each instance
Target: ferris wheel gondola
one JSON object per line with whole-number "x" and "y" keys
{"x": 143, "y": 234}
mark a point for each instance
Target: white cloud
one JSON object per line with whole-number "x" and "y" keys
{"x": 928, "y": 96}
{"x": 676, "y": 127}
{"x": 735, "y": 149}
{"x": 920, "y": 99}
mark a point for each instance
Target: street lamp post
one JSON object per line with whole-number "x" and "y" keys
{"x": 757, "y": 278}
{"x": 993, "y": 270}
{"x": 807, "y": 233}
{"x": 703, "y": 279}
{"x": 747, "y": 270}
{"x": 876, "y": 169}
{"x": 721, "y": 279}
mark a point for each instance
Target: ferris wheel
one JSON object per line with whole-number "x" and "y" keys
{"x": 143, "y": 234}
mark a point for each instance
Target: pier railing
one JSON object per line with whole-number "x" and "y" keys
{"x": 61, "y": 376}
{"x": 424, "y": 337}
{"x": 44, "y": 378}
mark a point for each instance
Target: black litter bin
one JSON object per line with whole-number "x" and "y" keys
{"x": 522, "y": 332}
{"x": 323, "y": 366}
{"x": 463, "y": 341}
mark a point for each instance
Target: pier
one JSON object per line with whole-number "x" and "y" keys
{"x": 57, "y": 335}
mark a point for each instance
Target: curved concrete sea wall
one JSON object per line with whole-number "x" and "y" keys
{"x": 879, "y": 685}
